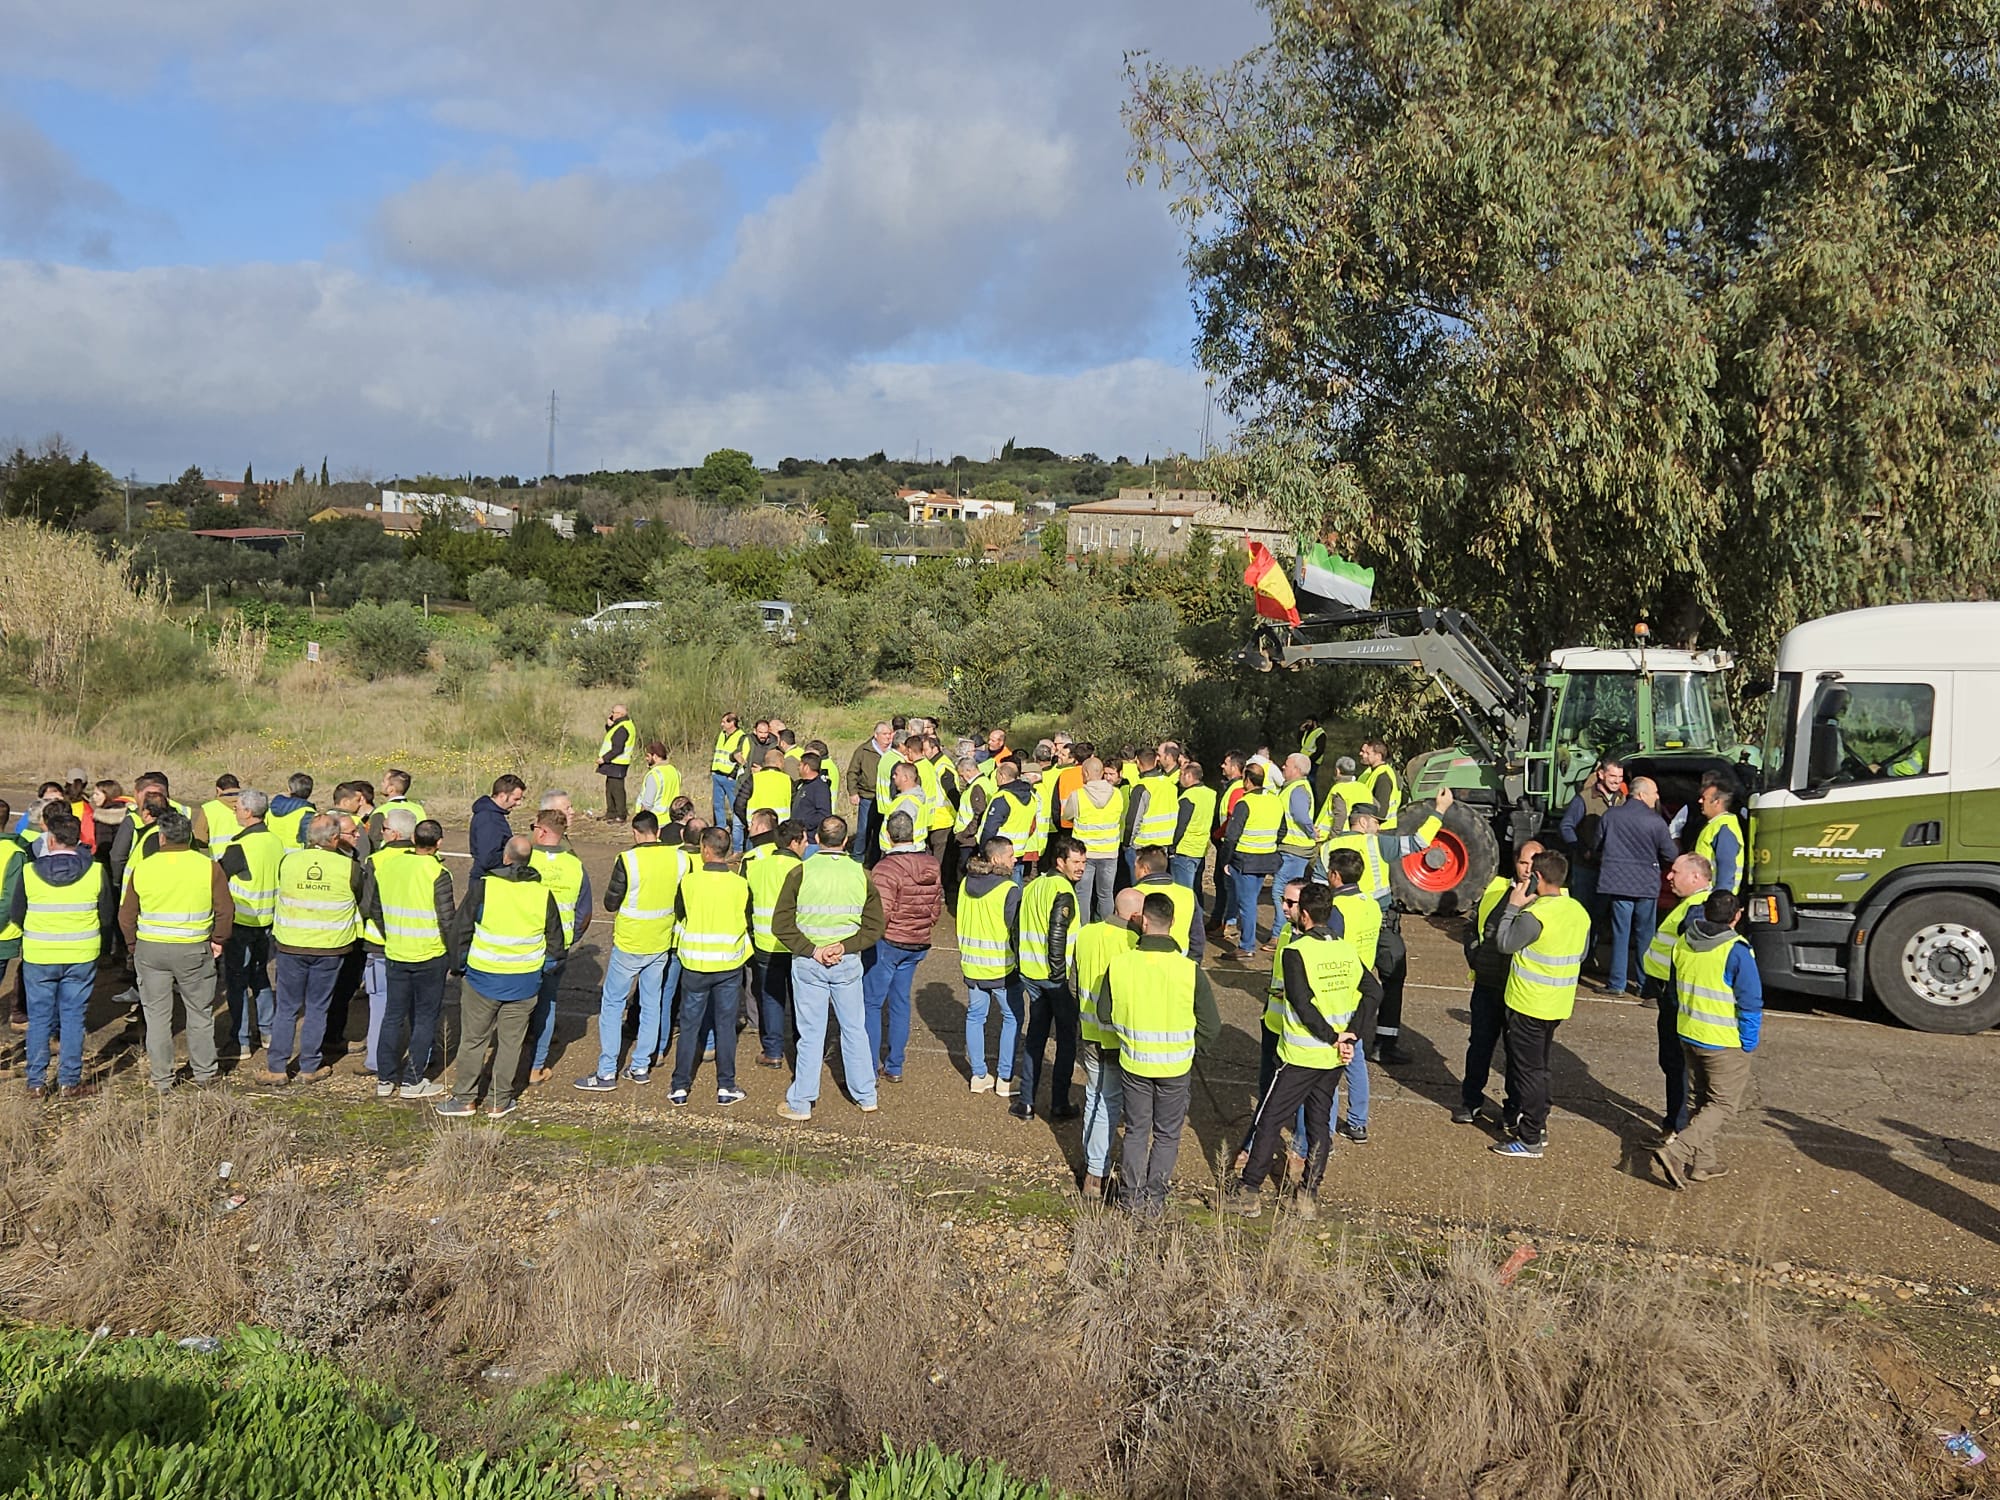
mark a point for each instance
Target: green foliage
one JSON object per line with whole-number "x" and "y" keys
{"x": 463, "y": 669}
{"x": 834, "y": 657}
{"x": 1562, "y": 312}
{"x": 523, "y": 631}
{"x": 1000, "y": 489}
{"x": 747, "y": 572}
{"x": 924, "y": 1473}
{"x": 844, "y": 563}
{"x": 135, "y": 1419}
{"x": 693, "y": 611}
{"x": 600, "y": 657}
{"x": 52, "y": 485}
{"x": 511, "y": 719}
{"x": 494, "y": 590}
{"x": 686, "y": 690}
{"x": 144, "y": 656}
{"x": 1054, "y": 541}
{"x": 727, "y": 476}
{"x": 386, "y": 640}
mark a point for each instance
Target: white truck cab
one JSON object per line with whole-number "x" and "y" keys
{"x": 1875, "y": 841}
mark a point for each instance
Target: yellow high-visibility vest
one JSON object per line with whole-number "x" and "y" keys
{"x": 316, "y": 906}
{"x": 176, "y": 897}
{"x": 1333, "y": 969}
{"x": 512, "y": 933}
{"x": 1097, "y": 944}
{"x": 1152, "y": 1010}
{"x": 61, "y": 922}
{"x": 1542, "y": 981}
{"x": 407, "y": 889}
{"x": 1705, "y": 1004}
{"x": 644, "y": 922}
{"x": 715, "y": 932}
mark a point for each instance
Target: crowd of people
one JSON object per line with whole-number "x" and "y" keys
{"x": 1088, "y": 887}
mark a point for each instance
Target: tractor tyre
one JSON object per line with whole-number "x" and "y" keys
{"x": 1447, "y": 877}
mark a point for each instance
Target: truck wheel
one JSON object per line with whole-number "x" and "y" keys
{"x": 1448, "y": 878}
{"x": 1934, "y": 962}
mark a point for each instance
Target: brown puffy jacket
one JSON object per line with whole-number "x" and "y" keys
{"x": 912, "y": 891}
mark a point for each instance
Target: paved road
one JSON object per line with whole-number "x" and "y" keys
{"x": 1865, "y": 1147}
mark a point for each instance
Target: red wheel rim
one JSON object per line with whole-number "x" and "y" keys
{"x": 1448, "y": 872}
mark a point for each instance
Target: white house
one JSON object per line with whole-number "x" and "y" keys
{"x": 493, "y": 515}
{"x": 924, "y": 505}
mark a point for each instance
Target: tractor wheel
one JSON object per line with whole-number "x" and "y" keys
{"x": 1447, "y": 877}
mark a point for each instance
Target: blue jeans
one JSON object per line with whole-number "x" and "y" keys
{"x": 1633, "y": 921}
{"x": 1247, "y": 889}
{"x": 817, "y": 991}
{"x": 708, "y": 999}
{"x": 1103, "y": 1102}
{"x": 1290, "y": 867}
{"x": 885, "y": 995}
{"x": 305, "y": 989}
{"x": 56, "y": 995}
{"x": 1225, "y": 895}
{"x": 670, "y": 1014}
{"x": 864, "y": 830}
{"x": 414, "y": 1001}
{"x": 621, "y": 972}
{"x": 1186, "y": 870}
{"x": 246, "y": 984}
{"x": 1355, "y": 1077}
{"x": 375, "y": 980}
{"x": 1583, "y": 888}
{"x": 771, "y": 977}
{"x": 542, "y": 1022}
{"x": 980, "y": 996}
{"x": 1094, "y": 891}
{"x": 722, "y": 792}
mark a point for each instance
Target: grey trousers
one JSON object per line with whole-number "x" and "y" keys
{"x": 1094, "y": 891}
{"x": 503, "y": 1024}
{"x": 190, "y": 968}
{"x": 1155, "y": 1111}
{"x": 1717, "y": 1082}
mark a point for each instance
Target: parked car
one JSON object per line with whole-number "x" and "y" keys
{"x": 778, "y": 620}
{"x": 633, "y": 612}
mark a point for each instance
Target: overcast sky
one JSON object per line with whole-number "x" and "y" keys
{"x": 235, "y": 232}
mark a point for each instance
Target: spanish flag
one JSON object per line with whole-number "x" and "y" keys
{"x": 1266, "y": 578}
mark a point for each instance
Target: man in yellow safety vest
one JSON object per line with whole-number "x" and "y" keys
{"x": 176, "y": 914}
{"x": 1546, "y": 933}
{"x": 508, "y": 928}
{"x": 1720, "y": 1008}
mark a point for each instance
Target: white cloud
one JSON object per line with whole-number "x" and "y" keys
{"x": 277, "y": 364}
{"x": 587, "y": 229}
{"x": 47, "y": 202}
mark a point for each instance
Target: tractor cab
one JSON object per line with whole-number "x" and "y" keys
{"x": 1664, "y": 713}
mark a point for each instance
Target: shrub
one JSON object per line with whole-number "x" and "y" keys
{"x": 604, "y": 656}
{"x": 693, "y": 611}
{"x": 685, "y": 691}
{"x": 143, "y": 656}
{"x": 239, "y": 651}
{"x": 386, "y": 640}
{"x": 520, "y": 721}
{"x": 523, "y": 631}
{"x": 493, "y": 591}
{"x": 464, "y": 667}
{"x": 834, "y": 658}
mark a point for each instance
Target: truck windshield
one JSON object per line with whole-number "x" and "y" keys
{"x": 1683, "y": 710}
{"x": 1781, "y": 717}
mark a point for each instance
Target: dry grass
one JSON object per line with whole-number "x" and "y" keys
{"x": 1187, "y": 1360}
{"x": 57, "y": 596}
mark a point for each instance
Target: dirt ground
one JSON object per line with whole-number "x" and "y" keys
{"x": 1865, "y": 1149}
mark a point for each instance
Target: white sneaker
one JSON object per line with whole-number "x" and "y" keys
{"x": 385, "y": 1091}
{"x": 423, "y": 1088}
{"x": 982, "y": 1083}
{"x": 1004, "y": 1089}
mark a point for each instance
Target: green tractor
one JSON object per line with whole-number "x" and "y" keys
{"x": 1530, "y": 738}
